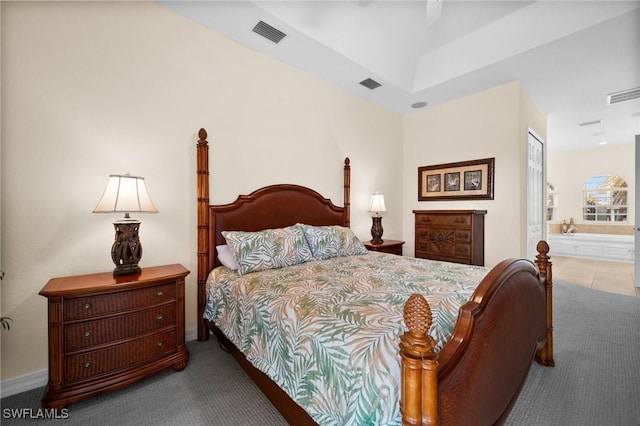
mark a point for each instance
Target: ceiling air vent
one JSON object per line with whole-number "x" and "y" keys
{"x": 590, "y": 123}
{"x": 268, "y": 32}
{"x": 625, "y": 95}
{"x": 370, "y": 83}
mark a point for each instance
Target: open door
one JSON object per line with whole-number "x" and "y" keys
{"x": 636, "y": 253}
{"x": 535, "y": 193}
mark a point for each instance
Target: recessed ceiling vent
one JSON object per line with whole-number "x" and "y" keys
{"x": 370, "y": 83}
{"x": 590, "y": 123}
{"x": 625, "y": 95}
{"x": 268, "y": 32}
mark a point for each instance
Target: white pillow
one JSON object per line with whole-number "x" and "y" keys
{"x": 226, "y": 257}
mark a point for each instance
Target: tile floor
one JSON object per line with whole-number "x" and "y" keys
{"x": 614, "y": 277}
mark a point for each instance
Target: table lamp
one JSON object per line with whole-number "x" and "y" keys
{"x": 377, "y": 206}
{"x": 126, "y": 194}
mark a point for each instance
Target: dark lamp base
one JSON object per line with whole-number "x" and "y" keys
{"x": 126, "y": 251}
{"x": 376, "y": 230}
{"x": 126, "y": 270}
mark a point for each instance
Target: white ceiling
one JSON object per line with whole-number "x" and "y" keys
{"x": 568, "y": 55}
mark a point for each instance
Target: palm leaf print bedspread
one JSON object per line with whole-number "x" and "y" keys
{"x": 327, "y": 331}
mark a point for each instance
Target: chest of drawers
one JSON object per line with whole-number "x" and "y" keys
{"x": 107, "y": 332}
{"x": 450, "y": 235}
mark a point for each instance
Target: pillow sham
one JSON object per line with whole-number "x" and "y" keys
{"x": 268, "y": 249}
{"x": 226, "y": 257}
{"x": 326, "y": 242}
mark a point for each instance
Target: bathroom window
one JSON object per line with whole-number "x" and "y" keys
{"x": 552, "y": 201}
{"x": 604, "y": 199}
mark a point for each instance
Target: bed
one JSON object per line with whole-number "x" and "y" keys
{"x": 459, "y": 358}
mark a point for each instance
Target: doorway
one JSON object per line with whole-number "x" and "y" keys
{"x": 535, "y": 193}
{"x": 636, "y": 251}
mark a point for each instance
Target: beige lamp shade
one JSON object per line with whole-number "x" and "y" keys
{"x": 377, "y": 203}
{"x": 125, "y": 194}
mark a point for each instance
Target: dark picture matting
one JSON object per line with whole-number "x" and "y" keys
{"x": 465, "y": 180}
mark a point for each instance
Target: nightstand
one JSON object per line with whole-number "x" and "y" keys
{"x": 107, "y": 332}
{"x": 387, "y": 246}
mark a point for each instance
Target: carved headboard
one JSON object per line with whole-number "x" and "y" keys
{"x": 274, "y": 206}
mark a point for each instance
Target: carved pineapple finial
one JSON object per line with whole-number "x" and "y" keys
{"x": 417, "y": 315}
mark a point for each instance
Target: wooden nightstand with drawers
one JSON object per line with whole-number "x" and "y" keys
{"x": 107, "y": 332}
{"x": 387, "y": 246}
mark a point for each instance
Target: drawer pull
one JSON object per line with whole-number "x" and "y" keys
{"x": 86, "y": 334}
{"x": 86, "y": 306}
{"x": 160, "y": 344}
{"x": 159, "y": 317}
{"x": 87, "y": 364}
{"x": 160, "y": 293}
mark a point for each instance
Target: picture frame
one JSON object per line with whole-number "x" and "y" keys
{"x": 464, "y": 180}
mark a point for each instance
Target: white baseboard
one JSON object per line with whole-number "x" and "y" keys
{"x": 39, "y": 378}
{"x": 24, "y": 383}
{"x": 191, "y": 334}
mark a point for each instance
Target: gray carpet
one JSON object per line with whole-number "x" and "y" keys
{"x": 596, "y": 380}
{"x": 212, "y": 390}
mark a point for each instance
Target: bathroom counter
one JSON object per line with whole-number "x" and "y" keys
{"x": 592, "y": 246}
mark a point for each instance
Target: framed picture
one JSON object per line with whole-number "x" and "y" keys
{"x": 465, "y": 180}
{"x": 433, "y": 183}
{"x": 452, "y": 181}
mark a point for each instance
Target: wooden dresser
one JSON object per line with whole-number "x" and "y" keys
{"x": 450, "y": 235}
{"x": 107, "y": 332}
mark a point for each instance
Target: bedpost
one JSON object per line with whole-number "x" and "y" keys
{"x": 544, "y": 355}
{"x": 203, "y": 227}
{"x": 419, "y": 368}
{"x": 347, "y": 193}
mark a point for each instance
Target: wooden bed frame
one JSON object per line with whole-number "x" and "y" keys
{"x": 477, "y": 375}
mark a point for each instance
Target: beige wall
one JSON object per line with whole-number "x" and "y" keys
{"x": 492, "y": 123}
{"x": 104, "y": 87}
{"x": 92, "y": 88}
{"x": 568, "y": 171}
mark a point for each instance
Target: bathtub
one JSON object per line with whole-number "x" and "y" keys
{"x": 592, "y": 246}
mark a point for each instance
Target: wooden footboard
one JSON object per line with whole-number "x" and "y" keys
{"x": 477, "y": 375}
